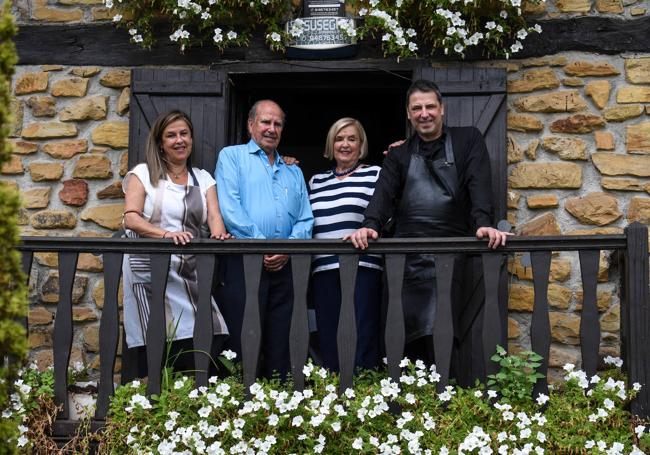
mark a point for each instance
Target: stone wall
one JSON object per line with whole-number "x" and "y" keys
{"x": 578, "y": 154}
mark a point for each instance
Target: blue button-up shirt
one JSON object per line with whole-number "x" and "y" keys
{"x": 259, "y": 200}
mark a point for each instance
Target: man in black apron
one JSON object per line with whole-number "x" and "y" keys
{"x": 436, "y": 184}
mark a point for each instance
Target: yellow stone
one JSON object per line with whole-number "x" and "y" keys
{"x": 42, "y": 171}
{"x": 42, "y": 12}
{"x": 31, "y": 83}
{"x": 89, "y": 263}
{"x": 560, "y": 101}
{"x": 113, "y": 133}
{"x": 624, "y": 184}
{"x": 65, "y": 149}
{"x": 49, "y": 130}
{"x": 566, "y": 148}
{"x": 560, "y": 269}
{"x": 93, "y": 166}
{"x": 637, "y": 11}
{"x": 586, "y": 68}
{"x": 23, "y": 147}
{"x": 604, "y": 140}
{"x": 514, "y": 151}
{"x": 616, "y": 164}
{"x": 521, "y": 297}
{"x": 124, "y": 164}
{"x": 594, "y": 208}
{"x": 599, "y": 92}
{"x": 524, "y": 123}
{"x": 622, "y": 113}
{"x": 565, "y": 327}
{"x": 513, "y": 329}
{"x": 53, "y": 219}
{"x": 539, "y": 61}
{"x": 637, "y": 70}
{"x": 36, "y": 198}
{"x": 630, "y": 94}
{"x": 123, "y": 101}
{"x": 639, "y": 210}
{"x": 603, "y": 300}
{"x": 17, "y": 110}
{"x": 74, "y": 86}
{"x": 98, "y": 294}
{"x": 40, "y": 316}
{"x": 42, "y": 106}
{"x": 545, "y": 175}
{"x": 90, "y": 108}
{"x": 40, "y": 338}
{"x": 511, "y": 217}
{"x": 609, "y": 6}
{"x": 108, "y": 216}
{"x": 51, "y": 67}
{"x": 638, "y": 138}
{"x": 573, "y": 82}
{"x": 573, "y": 6}
{"x": 577, "y": 124}
{"x": 545, "y": 224}
{"x": 533, "y": 8}
{"x": 611, "y": 320}
{"x": 83, "y": 314}
{"x": 81, "y": 2}
{"x": 513, "y": 199}
{"x": 13, "y": 166}
{"x": 116, "y": 79}
{"x": 91, "y": 338}
{"x": 596, "y": 231}
{"x": 531, "y": 149}
{"x": 561, "y": 355}
{"x": 534, "y": 80}
{"x": 542, "y": 201}
{"x": 86, "y": 71}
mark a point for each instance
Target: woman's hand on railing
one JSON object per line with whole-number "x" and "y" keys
{"x": 221, "y": 236}
{"x": 359, "y": 238}
{"x": 179, "y": 237}
{"x": 495, "y": 237}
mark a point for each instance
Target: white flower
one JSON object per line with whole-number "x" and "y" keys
{"x": 179, "y": 384}
{"x": 639, "y": 429}
{"x": 336, "y": 426}
{"x": 273, "y": 420}
{"x": 413, "y": 47}
{"x": 231, "y": 36}
{"x": 636, "y": 386}
{"x": 522, "y": 33}
{"x": 458, "y": 48}
{"x": 117, "y": 18}
{"x": 137, "y": 39}
{"x": 357, "y": 444}
{"x": 133, "y": 31}
{"x": 537, "y": 28}
{"x": 218, "y": 37}
{"x": 22, "y": 441}
{"x": 108, "y": 3}
{"x": 386, "y": 37}
{"x": 616, "y": 361}
{"x": 542, "y": 398}
{"x": 276, "y": 38}
{"x": 516, "y": 47}
{"x": 503, "y": 14}
{"x": 205, "y": 411}
{"x": 569, "y": 367}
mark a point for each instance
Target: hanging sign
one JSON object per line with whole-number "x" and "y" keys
{"x": 316, "y": 8}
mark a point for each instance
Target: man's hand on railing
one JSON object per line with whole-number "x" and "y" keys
{"x": 179, "y": 237}
{"x": 221, "y": 236}
{"x": 495, "y": 237}
{"x": 359, "y": 238}
{"x": 275, "y": 262}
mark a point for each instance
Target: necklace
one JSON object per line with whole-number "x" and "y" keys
{"x": 347, "y": 171}
{"x": 178, "y": 175}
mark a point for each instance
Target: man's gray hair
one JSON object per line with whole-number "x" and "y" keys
{"x": 252, "y": 113}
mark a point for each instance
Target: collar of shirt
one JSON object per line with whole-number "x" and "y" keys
{"x": 252, "y": 147}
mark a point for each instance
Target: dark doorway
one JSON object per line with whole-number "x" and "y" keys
{"x": 313, "y": 101}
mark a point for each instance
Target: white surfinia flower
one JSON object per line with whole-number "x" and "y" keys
{"x": 386, "y": 37}
{"x": 133, "y": 31}
{"x": 616, "y": 361}
{"x": 522, "y": 33}
{"x": 458, "y": 48}
{"x": 542, "y": 398}
{"x": 499, "y": 29}
{"x": 179, "y": 384}
{"x": 307, "y": 369}
{"x": 22, "y": 441}
{"x": 336, "y": 426}
{"x": 135, "y": 384}
{"x": 636, "y": 451}
{"x": 569, "y": 367}
{"x": 108, "y": 3}
{"x": 117, "y": 18}
{"x": 357, "y": 444}
{"x": 228, "y": 354}
{"x": 609, "y": 404}
{"x": 276, "y": 38}
{"x": 205, "y": 411}
{"x": 273, "y": 420}
{"x": 636, "y": 386}
{"x": 404, "y": 362}
{"x": 205, "y": 15}
{"x": 639, "y": 430}
{"x": 503, "y": 14}
{"x": 491, "y": 25}
{"x": 297, "y": 421}
{"x": 516, "y": 47}
{"x": 413, "y": 47}
{"x": 537, "y": 28}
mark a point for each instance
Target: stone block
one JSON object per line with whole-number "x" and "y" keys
{"x": 522, "y": 297}
{"x": 124, "y": 164}
{"x": 43, "y": 171}
{"x": 47, "y": 259}
{"x": 42, "y": 106}
{"x": 112, "y": 191}
{"x": 545, "y": 175}
{"x": 74, "y": 86}
{"x": 599, "y": 92}
{"x": 93, "y": 166}
{"x": 560, "y": 355}
{"x": 116, "y": 79}
{"x": 609, "y": 6}
{"x": 49, "y": 130}
{"x": 604, "y": 140}
{"x": 623, "y": 184}
{"x": 23, "y": 147}
{"x": 39, "y": 316}
{"x": 513, "y": 198}
{"x": 81, "y": 2}
{"x": 616, "y": 164}
{"x": 511, "y": 217}
{"x": 64, "y": 150}
{"x": 533, "y": 8}
{"x": 566, "y": 148}
{"x": 638, "y": 11}
{"x": 91, "y": 338}
{"x": 91, "y": 108}
{"x": 573, "y": 6}
{"x": 531, "y": 149}
{"x": 603, "y": 300}
{"x": 40, "y": 337}
{"x": 83, "y": 314}
{"x": 532, "y": 80}
{"x": 123, "y": 101}
{"x": 17, "y": 111}
{"x": 50, "y": 68}
{"x": 611, "y": 320}
{"x": 36, "y": 198}
{"x": 587, "y": 68}
{"x": 542, "y": 201}
{"x": 594, "y": 208}
{"x": 596, "y": 231}
{"x": 115, "y": 134}
{"x": 42, "y": 12}
{"x": 53, "y": 219}
{"x": 637, "y": 70}
{"x": 633, "y": 94}
{"x": 108, "y": 216}
{"x": 50, "y": 288}
{"x": 622, "y": 113}
{"x": 31, "y": 83}
{"x": 560, "y": 269}
{"x": 578, "y": 124}
{"x": 545, "y": 224}
{"x": 74, "y": 192}
{"x": 560, "y": 101}
{"x": 13, "y": 166}
{"x": 565, "y": 327}
{"x": 639, "y": 210}
{"x": 98, "y": 294}
{"x": 513, "y": 329}
{"x": 524, "y": 123}
{"x": 573, "y": 82}
{"x": 88, "y": 262}
{"x": 86, "y": 71}
{"x": 638, "y": 138}
{"x": 514, "y": 151}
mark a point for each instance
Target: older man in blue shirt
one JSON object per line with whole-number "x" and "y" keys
{"x": 261, "y": 197}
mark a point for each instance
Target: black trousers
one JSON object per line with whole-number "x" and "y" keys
{"x": 276, "y": 306}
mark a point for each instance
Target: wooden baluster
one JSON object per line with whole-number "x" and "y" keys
{"x": 491, "y": 314}
{"x": 251, "y": 335}
{"x": 346, "y": 335}
{"x": 299, "y": 332}
{"x": 109, "y": 332}
{"x": 589, "y": 323}
{"x": 157, "y": 325}
{"x": 203, "y": 327}
{"x": 637, "y": 320}
{"x": 540, "y": 327}
{"x": 63, "y": 330}
{"x": 443, "y": 326}
{"x": 395, "y": 332}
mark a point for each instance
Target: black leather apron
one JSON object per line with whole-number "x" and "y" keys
{"x": 428, "y": 208}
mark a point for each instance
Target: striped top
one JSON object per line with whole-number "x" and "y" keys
{"x": 338, "y": 207}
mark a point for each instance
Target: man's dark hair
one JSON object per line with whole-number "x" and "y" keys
{"x": 425, "y": 86}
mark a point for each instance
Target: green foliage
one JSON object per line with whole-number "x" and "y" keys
{"x": 517, "y": 375}
{"x": 13, "y": 342}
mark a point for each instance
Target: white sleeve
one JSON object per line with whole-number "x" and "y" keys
{"x": 141, "y": 171}
{"x": 206, "y": 180}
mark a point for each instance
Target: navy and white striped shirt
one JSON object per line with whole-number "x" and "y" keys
{"x": 338, "y": 207}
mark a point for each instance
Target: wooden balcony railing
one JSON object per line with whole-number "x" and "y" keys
{"x": 635, "y": 304}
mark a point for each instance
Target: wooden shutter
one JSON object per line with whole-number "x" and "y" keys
{"x": 199, "y": 93}
{"x": 476, "y": 96}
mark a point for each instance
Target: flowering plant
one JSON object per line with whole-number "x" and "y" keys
{"x": 452, "y": 27}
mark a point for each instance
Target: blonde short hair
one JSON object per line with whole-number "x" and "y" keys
{"x": 336, "y": 128}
